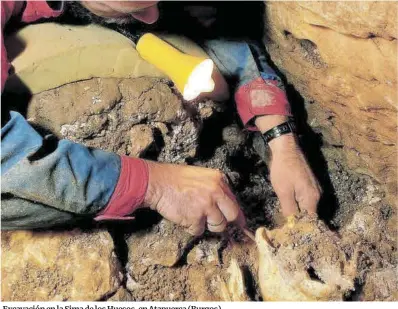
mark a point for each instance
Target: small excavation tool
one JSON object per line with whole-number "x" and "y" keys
{"x": 249, "y": 233}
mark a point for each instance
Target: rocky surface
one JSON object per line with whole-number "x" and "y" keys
{"x": 58, "y": 266}
{"x": 342, "y": 57}
{"x": 147, "y": 247}
{"x": 339, "y": 56}
{"x": 125, "y": 116}
{"x": 159, "y": 261}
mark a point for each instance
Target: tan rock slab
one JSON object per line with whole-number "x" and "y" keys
{"x": 58, "y": 266}
{"x": 234, "y": 288}
{"x": 74, "y": 53}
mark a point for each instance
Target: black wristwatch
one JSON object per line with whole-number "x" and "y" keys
{"x": 284, "y": 128}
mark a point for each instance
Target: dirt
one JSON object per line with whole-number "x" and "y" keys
{"x": 248, "y": 176}
{"x": 107, "y": 113}
{"x": 161, "y": 262}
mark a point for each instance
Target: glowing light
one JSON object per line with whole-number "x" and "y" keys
{"x": 200, "y": 80}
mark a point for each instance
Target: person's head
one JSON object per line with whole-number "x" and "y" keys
{"x": 122, "y": 12}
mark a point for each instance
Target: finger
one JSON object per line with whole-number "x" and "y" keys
{"x": 240, "y": 220}
{"x": 309, "y": 200}
{"x": 216, "y": 221}
{"x": 227, "y": 190}
{"x": 197, "y": 228}
{"x": 229, "y": 207}
{"x": 288, "y": 204}
{"x": 217, "y": 226}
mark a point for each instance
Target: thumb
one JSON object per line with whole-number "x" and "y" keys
{"x": 288, "y": 203}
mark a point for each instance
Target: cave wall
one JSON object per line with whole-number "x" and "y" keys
{"x": 342, "y": 58}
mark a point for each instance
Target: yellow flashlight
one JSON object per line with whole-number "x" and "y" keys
{"x": 191, "y": 75}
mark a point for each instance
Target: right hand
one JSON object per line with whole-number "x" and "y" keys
{"x": 193, "y": 197}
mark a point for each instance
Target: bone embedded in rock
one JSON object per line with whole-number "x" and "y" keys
{"x": 302, "y": 261}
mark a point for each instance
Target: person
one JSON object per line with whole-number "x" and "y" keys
{"x": 45, "y": 184}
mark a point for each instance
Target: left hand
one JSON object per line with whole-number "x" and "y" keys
{"x": 291, "y": 177}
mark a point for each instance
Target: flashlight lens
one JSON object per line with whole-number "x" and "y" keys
{"x": 200, "y": 80}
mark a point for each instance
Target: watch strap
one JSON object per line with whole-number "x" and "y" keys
{"x": 282, "y": 129}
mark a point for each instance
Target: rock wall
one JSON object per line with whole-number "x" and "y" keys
{"x": 342, "y": 57}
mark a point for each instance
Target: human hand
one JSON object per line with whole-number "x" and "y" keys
{"x": 193, "y": 197}
{"x": 291, "y": 177}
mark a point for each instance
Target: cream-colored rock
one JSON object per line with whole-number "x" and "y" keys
{"x": 205, "y": 253}
{"x": 58, "y": 266}
{"x": 342, "y": 56}
{"x": 234, "y": 288}
{"x": 302, "y": 261}
{"x": 141, "y": 137}
{"x": 74, "y": 53}
{"x": 148, "y": 247}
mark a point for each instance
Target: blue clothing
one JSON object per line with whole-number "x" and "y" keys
{"x": 45, "y": 184}
{"x": 241, "y": 61}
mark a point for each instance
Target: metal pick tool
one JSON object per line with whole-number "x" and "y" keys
{"x": 249, "y": 233}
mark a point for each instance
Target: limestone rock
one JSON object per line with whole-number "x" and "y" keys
{"x": 121, "y": 295}
{"x": 366, "y": 225}
{"x": 64, "y": 108}
{"x": 342, "y": 57}
{"x": 233, "y": 135}
{"x": 303, "y": 261}
{"x": 148, "y": 247}
{"x": 75, "y": 53}
{"x": 154, "y": 101}
{"x": 204, "y": 283}
{"x": 234, "y": 288}
{"x": 382, "y": 285}
{"x": 141, "y": 137}
{"x": 58, "y": 266}
{"x": 205, "y": 253}
{"x": 103, "y": 112}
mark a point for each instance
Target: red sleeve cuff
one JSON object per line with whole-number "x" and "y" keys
{"x": 260, "y": 97}
{"x": 129, "y": 192}
{"x": 35, "y": 10}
